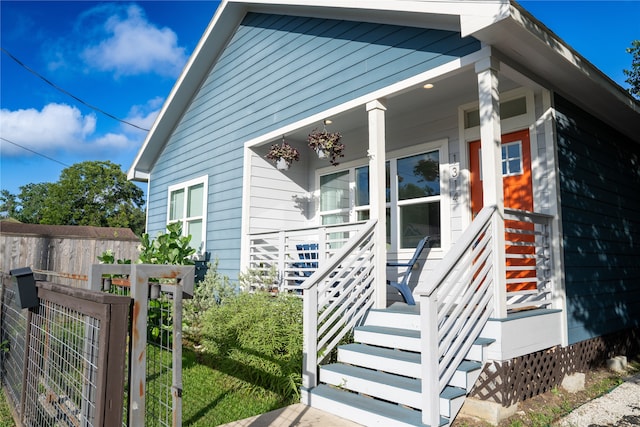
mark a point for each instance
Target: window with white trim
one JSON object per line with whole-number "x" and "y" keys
{"x": 187, "y": 203}
{"x": 511, "y": 159}
{"x": 344, "y": 197}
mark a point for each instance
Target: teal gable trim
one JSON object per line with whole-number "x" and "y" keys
{"x": 277, "y": 70}
{"x": 600, "y": 203}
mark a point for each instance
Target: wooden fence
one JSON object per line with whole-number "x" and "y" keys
{"x": 62, "y": 247}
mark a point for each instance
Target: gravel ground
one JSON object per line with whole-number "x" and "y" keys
{"x": 619, "y": 408}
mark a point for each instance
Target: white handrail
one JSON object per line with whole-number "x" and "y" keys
{"x": 456, "y": 252}
{"x": 335, "y": 299}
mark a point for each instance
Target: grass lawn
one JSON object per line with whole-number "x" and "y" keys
{"x": 6, "y": 420}
{"x": 212, "y": 397}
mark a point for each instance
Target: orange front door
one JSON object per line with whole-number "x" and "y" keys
{"x": 518, "y": 194}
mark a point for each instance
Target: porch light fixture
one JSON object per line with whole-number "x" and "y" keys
{"x": 327, "y": 121}
{"x": 428, "y": 86}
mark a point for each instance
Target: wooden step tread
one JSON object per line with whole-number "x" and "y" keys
{"x": 389, "y": 331}
{"x": 344, "y": 400}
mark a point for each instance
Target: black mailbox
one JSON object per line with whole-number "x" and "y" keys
{"x": 25, "y": 287}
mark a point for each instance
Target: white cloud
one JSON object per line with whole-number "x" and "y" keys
{"x": 57, "y": 128}
{"x": 144, "y": 115}
{"x": 132, "y": 45}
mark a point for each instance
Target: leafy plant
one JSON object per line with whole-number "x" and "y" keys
{"x": 258, "y": 338}
{"x": 328, "y": 142}
{"x": 214, "y": 289}
{"x": 258, "y": 279}
{"x": 167, "y": 248}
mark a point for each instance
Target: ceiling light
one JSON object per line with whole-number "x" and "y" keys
{"x": 327, "y": 121}
{"x": 428, "y": 86}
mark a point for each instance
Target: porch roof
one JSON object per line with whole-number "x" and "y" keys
{"x": 519, "y": 38}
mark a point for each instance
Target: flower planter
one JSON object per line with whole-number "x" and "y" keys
{"x": 282, "y": 164}
{"x": 283, "y": 155}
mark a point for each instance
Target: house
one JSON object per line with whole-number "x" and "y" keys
{"x": 469, "y": 122}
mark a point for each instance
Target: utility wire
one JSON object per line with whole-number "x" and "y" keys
{"x": 55, "y": 86}
{"x": 34, "y": 152}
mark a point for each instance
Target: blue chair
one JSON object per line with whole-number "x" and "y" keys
{"x": 402, "y": 285}
{"x": 307, "y": 252}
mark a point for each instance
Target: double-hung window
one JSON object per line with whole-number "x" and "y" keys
{"x": 188, "y": 205}
{"x": 413, "y": 196}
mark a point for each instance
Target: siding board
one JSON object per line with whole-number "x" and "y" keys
{"x": 600, "y": 205}
{"x": 262, "y": 82}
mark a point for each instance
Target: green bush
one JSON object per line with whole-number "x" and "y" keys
{"x": 257, "y": 338}
{"x": 214, "y": 289}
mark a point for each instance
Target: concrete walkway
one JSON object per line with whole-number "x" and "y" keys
{"x": 295, "y": 415}
{"x": 618, "y": 408}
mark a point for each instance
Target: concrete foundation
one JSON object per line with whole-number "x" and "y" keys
{"x": 573, "y": 383}
{"x": 617, "y": 363}
{"x": 490, "y": 412}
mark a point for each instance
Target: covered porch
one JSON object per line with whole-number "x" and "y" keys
{"x": 408, "y": 165}
{"x": 328, "y": 231}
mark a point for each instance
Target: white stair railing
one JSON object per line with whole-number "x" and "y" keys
{"x": 529, "y": 259}
{"x": 336, "y": 298}
{"x": 454, "y": 307}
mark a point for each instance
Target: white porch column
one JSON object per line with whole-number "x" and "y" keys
{"x": 493, "y": 193}
{"x": 377, "y": 202}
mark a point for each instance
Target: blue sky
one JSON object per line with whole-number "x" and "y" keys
{"x": 124, "y": 57}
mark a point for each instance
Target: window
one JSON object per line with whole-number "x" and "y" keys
{"x": 508, "y": 109}
{"x": 511, "y": 159}
{"x": 413, "y": 207}
{"x": 187, "y": 204}
{"x": 419, "y": 198}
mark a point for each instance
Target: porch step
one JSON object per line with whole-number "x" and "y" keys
{"x": 398, "y": 315}
{"x": 383, "y": 359}
{"x": 477, "y": 352}
{"x": 402, "y": 390}
{"x": 466, "y": 375}
{"x": 402, "y": 339}
{"x": 365, "y": 410}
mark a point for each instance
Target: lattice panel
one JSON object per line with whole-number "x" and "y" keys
{"x": 526, "y": 376}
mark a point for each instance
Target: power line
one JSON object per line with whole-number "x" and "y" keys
{"x": 55, "y": 86}
{"x": 34, "y": 152}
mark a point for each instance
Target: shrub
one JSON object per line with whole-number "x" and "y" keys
{"x": 214, "y": 289}
{"x": 258, "y": 338}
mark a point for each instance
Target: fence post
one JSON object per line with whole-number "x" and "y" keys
{"x": 310, "y": 342}
{"x": 176, "y": 347}
{"x": 138, "y": 356}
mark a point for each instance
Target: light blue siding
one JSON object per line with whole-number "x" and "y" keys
{"x": 600, "y": 202}
{"x": 274, "y": 71}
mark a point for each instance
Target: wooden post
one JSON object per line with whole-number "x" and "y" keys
{"x": 377, "y": 202}
{"x": 493, "y": 193}
{"x": 310, "y": 342}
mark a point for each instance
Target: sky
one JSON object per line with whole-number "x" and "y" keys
{"x": 123, "y": 58}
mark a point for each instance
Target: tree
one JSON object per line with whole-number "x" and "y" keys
{"x": 27, "y": 205}
{"x": 88, "y": 193}
{"x": 633, "y": 75}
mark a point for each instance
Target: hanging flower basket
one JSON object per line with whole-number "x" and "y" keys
{"x": 282, "y": 155}
{"x": 326, "y": 144}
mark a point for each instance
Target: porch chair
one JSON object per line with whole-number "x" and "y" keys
{"x": 308, "y": 255}
{"x": 402, "y": 285}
